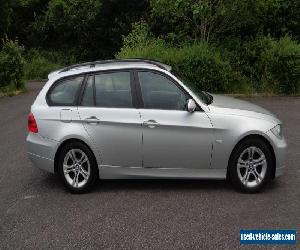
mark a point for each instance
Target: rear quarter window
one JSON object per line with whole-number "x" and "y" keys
{"x": 64, "y": 93}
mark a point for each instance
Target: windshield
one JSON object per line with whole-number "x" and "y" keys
{"x": 202, "y": 95}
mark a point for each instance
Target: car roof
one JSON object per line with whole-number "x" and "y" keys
{"x": 108, "y": 65}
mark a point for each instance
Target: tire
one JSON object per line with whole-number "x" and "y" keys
{"x": 250, "y": 165}
{"x": 77, "y": 167}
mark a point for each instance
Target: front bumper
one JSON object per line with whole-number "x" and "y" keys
{"x": 279, "y": 147}
{"x": 41, "y": 151}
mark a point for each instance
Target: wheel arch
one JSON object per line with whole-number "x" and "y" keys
{"x": 255, "y": 136}
{"x": 63, "y": 144}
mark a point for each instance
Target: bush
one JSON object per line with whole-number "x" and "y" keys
{"x": 280, "y": 65}
{"x": 262, "y": 65}
{"x": 270, "y": 65}
{"x": 40, "y": 63}
{"x": 198, "y": 64}
{"x": 11, "y": 64}
{"x": 202, "y": 66}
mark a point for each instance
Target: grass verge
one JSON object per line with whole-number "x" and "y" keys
{"x": 11, "y": 90}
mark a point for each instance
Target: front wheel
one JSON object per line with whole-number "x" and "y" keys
{"x": 251, "y": 165}
{"x": 77, "y": 167}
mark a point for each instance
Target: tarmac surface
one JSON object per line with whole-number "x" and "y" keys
{"x": 36, "y": 212}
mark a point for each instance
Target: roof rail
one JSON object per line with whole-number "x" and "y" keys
{"x": 94, "y": 63}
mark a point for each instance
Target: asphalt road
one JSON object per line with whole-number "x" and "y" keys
{"x": 36, "y": 212}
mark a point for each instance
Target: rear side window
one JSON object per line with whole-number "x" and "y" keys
{"x": 112, "y": 90}
{"x": 65, "y": 92}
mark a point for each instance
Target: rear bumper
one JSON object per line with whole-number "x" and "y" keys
{"x": 42, "y": 162}
{"x": 41, "y": 151}
{"x": 279, "y": 146}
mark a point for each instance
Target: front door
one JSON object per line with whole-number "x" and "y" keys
{"x": 172, "y": 137}
{"x": 110, "y": 118}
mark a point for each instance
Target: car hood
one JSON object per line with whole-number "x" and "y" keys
{"x": 239, "y": 107}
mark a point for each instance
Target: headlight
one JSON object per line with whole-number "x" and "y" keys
{"x": 277, "y": 130}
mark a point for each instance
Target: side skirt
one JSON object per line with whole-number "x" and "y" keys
{"x": 116, "y": 172}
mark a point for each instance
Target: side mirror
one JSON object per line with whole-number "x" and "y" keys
{"x": 191, "y": 105}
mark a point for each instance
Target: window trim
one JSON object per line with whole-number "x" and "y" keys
{"x": 94, "y": 73}
{"x": 136, "y": 92}
{"x": 139, "y": 89}
{"x": 83, "y": 89}
{"x": 60, "y": 81}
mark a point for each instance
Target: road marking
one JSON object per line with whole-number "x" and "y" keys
{"x": 26, "y": 197}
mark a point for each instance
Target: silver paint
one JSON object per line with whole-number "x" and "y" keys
{"x": 145, "y": 143}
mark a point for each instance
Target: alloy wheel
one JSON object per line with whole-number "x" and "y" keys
{"x": 252, "y": 167}
{"x": 76, "y": 168}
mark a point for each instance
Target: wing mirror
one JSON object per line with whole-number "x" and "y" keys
{"x": 191, "y": 105}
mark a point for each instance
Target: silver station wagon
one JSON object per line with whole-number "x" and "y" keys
{"x": 133, "y": 118}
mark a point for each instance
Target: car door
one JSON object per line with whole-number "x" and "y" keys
{"x": 111, "y": 119}
{"x": 172, "y": 137}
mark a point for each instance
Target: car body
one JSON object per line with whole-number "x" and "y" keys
{"x": 141, "y": 121}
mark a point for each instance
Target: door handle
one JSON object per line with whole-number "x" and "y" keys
{"x": 92, "y": 119}
{"x": 150, "y": 123}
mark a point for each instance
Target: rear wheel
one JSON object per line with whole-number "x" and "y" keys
{"x": 77, "y": 167}
{"x": 251, "y": 165}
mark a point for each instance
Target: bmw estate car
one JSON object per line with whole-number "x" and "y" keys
{"x": 133, "y": 119}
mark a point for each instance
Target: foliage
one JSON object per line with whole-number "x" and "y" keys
{"x": 279, "y": 64}
{"x": 199, "y": 19}
{"x": 40, "y": 63}
{"x": 80, "y": 16}
{"x": 281, "y": 17}
{"x": 11, "y": 64}
{"x": 92, "y": 29}
{"x": 231, "y": 45}
{"x": 140, "y": 35}
{"x": 260, "y": 65}
{"x": 5, "y": 13}
{"x": 269, "y": 64}
{"x": 218, "y": 19}
{"x": 198, "y": 64}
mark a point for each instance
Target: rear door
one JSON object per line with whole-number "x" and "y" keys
{"x": 108, "y": 112}
{"x": 172, "y": 137}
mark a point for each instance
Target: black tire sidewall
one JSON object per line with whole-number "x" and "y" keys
{"x": 233, "y": 174}
{"x": 93, "y": 165}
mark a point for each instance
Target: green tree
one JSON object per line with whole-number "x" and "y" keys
{"x": 281, "y": 17}
{"x": 24, "y": 14}
{"x": 91, "y": 28}
{"x": 5, "y": 14}
{"x": 216, "y": 19}
{"x": 200, "y": 19}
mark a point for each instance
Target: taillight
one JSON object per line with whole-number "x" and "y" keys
{"x": 32, "y": 126}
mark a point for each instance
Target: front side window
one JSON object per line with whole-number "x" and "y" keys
{"x": 113, "y": 90}
{"x": 161, "y": 93}
{"x": 65, "y": 92}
